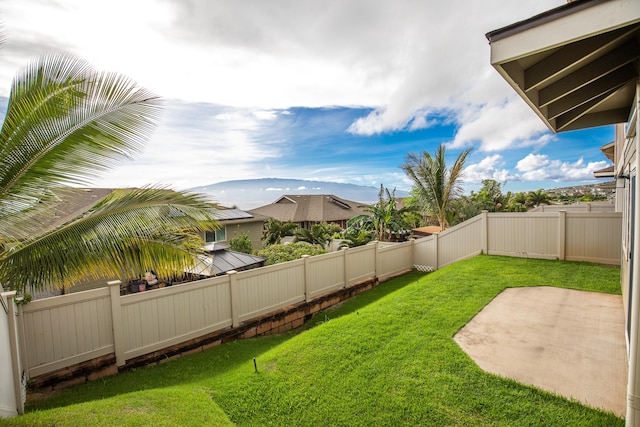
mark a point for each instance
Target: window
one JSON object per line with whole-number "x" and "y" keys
{"x": 216, "y": 236}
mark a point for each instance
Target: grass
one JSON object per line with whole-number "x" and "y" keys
{"x": 383, "y": 358}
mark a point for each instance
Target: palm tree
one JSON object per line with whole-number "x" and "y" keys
{"x": 64, "y": 124}
{"x": 275, "y": 230}
{"x": 319, "y": 234}
{"x": 383, "y": 218}
{"x": 353, "y": 237}
{"x": 536, "y": 198}
{"x": 434, "y": 185}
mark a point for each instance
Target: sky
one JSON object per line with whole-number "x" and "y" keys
{"x": 329, "y": 90}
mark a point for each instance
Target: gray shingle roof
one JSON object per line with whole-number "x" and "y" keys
{"x": 311, "y": 208}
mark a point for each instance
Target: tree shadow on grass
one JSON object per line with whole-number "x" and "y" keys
{"x": 210, "y": 363}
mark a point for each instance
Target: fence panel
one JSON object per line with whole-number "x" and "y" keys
{"x": 62, "y": 331}
{"x": 266, "y": 289}
{"x": 361, "y": 263}
{"x": 425, "y": 251}
{"x": 160, "y": 318}
{"x": 394, "y": 259}
{"x": 593, "y": 237}
{"x": 326, "y": 273}
{"x": 578, "y": 207}
{"x": 68, "y": 329}
{"x": 532, "y": 235}
{"x": 461, "y": 241}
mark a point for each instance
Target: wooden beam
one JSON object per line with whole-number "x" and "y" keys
{"x": 600, "y": 88}
{"x": 592, "y": 120}
{"x": 590, "y": 72}
{"x": 571, "y": 55}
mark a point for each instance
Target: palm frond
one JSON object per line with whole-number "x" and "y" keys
{"x": 129, "y": 231}
{"x": 65, "y": 124}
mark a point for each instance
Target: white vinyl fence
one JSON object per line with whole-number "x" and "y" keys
{"x": 61, "y": 331}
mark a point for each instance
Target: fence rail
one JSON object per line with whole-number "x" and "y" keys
{"x": 62, "y": 331}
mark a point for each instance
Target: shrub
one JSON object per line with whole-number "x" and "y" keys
{"x": 277, "y": 254}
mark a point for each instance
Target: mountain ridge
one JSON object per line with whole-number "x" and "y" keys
{"x": 249, "y": 194}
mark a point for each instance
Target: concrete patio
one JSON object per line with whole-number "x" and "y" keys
{"x": 568, "y": 342}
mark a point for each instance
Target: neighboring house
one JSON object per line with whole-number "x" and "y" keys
{"x": 577, "y": 66}
{"x": 69, "y": 203}
{"x": 306, "y": 210}
{"x": 234, "y": 222}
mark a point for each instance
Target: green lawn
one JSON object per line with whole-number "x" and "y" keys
{"x": 384, "y": 358}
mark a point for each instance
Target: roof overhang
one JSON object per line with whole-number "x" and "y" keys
{"x": 609, "y": 151}
{"x": 607, "y": 172}
{"x": 575, "y": 65}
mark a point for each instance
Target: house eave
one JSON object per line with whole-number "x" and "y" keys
{"x": 576, "y": 65}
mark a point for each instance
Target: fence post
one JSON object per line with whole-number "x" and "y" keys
{"x": 24, "y": 361}
{"x": 116, "y": 321}
{"x": 15, "y": 374}
{"x": 307, "y": 278}
{"x": 233, "y": 293}
{"x": 485, "y": 232}
{"x": 376, "y": 260}
{"x": 437, "y": 243}
{"x": 562, "y": 234}
{"x": 346, "y": 270}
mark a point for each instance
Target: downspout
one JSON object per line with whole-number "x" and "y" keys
{"x": 633, "y": 380}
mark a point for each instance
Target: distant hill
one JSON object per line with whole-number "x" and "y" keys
{"x": 251, "y": 193}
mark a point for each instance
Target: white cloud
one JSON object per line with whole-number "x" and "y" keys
{"x": 500, "y": 126}
{"x": 491, "y": 167}
{"x": 414, "y": 62}
{"x": 201, "y": 144}
{"x": 533, "y": 162}
{"x": 539, "y": 167}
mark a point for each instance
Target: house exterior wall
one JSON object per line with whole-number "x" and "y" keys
{"x": 253, "y": 229}
{"x": 236, "y": 228}
{"x": 632, "y": 281}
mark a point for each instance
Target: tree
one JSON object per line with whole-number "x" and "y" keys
{"x": 275, "y": 230}
{"x": 352, "y": 237}
{"x": 241, "y": 243}
{"x": 536, "y": 198}
{"x": 64, "y": 124}
{"x": 434, "y": 185}
{"x": 277, "y": 254}
{"x": 319, "y": 234}
{"x": 383, "y": 218}
{"x": 516, "y": 202}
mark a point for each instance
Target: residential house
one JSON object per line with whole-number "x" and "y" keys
{"x": 69, "y": 203}
{"x": 577, "y": 66}
{"x": 233, "y": 223}
{"x": 306, "y": 210}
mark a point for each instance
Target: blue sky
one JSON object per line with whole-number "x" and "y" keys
{"x": 326, "y": 90}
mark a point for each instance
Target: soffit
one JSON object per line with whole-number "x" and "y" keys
{"x": 577, "y": 65}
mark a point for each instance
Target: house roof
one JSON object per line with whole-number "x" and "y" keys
{"x": 428, "y": 230}
{"x": 223, "y": 260}
{"x": 237, "y": 216}
{"x": 575, "y": 65}
{"x": 230, "y": 214}
{"x": 311, "y": 208}
{"x": 609, "y": 150}
{"x": 607, "y": 172}
{"x": 68, "y": 203}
